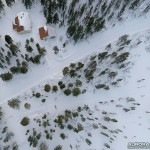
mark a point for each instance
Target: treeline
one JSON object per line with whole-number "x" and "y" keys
{"x": 79, "y": 19}
{"x": 83, "y": 19}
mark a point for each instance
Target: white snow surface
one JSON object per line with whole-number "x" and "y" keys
{"x": 134, "y": 124}
{"x": 45, "y": 28}
{"x": 51, "y": 31}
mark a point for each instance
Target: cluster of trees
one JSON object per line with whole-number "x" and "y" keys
{"x": 9, "y": 3}
{"x": 6, "y": 76}
{"x": 87, "y": 18}
{"x": 73, "y": 69}
{"x": 53, "y": 8}
{"x": 14, "y": 70}
{"x": 13, "y": 52}
{"x": 71, "y": 88}
{"x": 79, "y": 26}
{"x": 28, "y": 3}
{"x": 25, "y": 121}
{"x": 91, "y": 70}
{"x": 5, "y": 56}
{"x": 36, "y": 58}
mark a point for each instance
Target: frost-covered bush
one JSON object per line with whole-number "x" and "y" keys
{"x": 59, "y": 147}
{"x": 43, "y": 100}
{"x": 56, "y": 49}
{"x": 27, "y": 106}
{"x": 122, "y": 57}
{"x": 43, "y": 146}
{"x": 47, "y": 88}
{"x": 15, "y": 70}
{"x": 76, "y": 91}
{"x": 28, "y": 48}
{"x": 90, "y": 70}
{"x": 73, "y": 73}
{"x": 25, "y": 121}
{"x": 102, "y": 56}
{"x": 62, "y": 86}
{"x": 65, "y": 71}
{"x": 62, "y": 135}
{"x": 80, "y": 65}
{"x": 67, "y": 92}
{"x": 123, "y": 40}
{"x": 70, "y": 127}
{"x": 55, "y": 88}
{"x": 88, "y": 141}
{"x": 113, "y": 74}
{"x": 78, "y": 83}
{"x": 23, "y": 69}
{"x": 6, "y": 76}
{"x": 107, "y": 145}
{"x": 36, "y": 59}
{"x": 60, "y": 83}
{"x": 14, "y": 103}
{"x": 70, "y": 85}
{"x": 38, "y": 95}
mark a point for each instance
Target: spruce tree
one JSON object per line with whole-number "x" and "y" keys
{"x": 10, "y": 2}
{"x": 28, "y": 3}
{"x": 6, "y": 76}
{"x": 49, "y": 18}
{"x": 56, "y": 19}
{"x": 8, "y": 39}
{"x": 14, "y": 49}
{"x": 71, "y": 30}
{"x": 42, "y": 2}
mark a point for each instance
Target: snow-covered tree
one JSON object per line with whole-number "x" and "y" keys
{"x": 1, "y": 6}
{"x": 28, "y": 3}
{"x": 10, "y": 2}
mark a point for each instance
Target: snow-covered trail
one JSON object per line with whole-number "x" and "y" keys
{"x": 97, "y": 42}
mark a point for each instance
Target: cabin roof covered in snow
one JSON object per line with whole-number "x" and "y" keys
{"x": 47, "y": 31}
{"x": 24, "y": 20}
{"x": 43, "y": 33}
{"x": 45, "y": 28}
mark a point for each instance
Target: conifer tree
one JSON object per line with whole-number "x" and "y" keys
{"x": 56, "y": 19}
{"x": 6, "y": 76}
{"x": 1, "y": 6}
{"x": 28, "y": 3}
{"x": 10, "y": 2}
{"x": 8, "y": 39}
{"x": 49, "y": 18}
{"x": 42, "y": 2}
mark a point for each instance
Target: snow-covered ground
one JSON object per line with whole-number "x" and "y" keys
{"x": 134, "y": 124}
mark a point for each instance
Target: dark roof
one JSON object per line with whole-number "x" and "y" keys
{"x": 43, "y": 33}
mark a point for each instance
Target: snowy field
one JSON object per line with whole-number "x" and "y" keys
{"x": 128, "y": 102}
